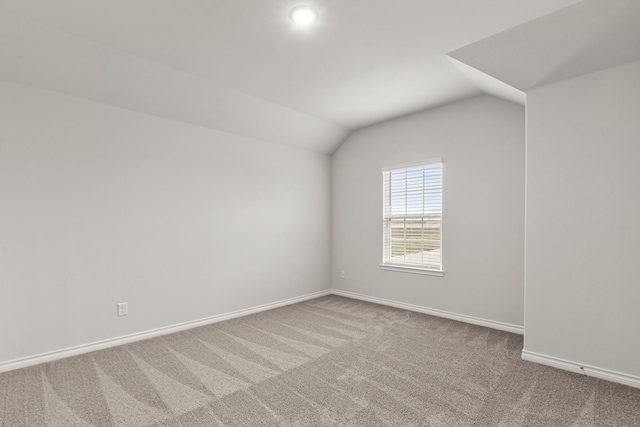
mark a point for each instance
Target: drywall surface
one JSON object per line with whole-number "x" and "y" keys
{"x": 37, "y": 55}
{"x": 481, "y": 142}
{"x": 583, "y": 228}
{"x": 101, "y": 205}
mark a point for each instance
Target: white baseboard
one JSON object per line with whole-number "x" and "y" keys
{"x": 113, "y": 342}
{"x": 605, "y": 374}
{"x": 439, "y": 313}
{"x": 592, "y": 371}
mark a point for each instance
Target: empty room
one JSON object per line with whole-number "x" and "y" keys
{"x": 319, "y": 213}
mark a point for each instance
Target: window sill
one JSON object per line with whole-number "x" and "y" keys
{"x": 414, "y": 270}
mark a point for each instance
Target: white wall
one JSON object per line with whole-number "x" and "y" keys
{"x": 100, "y": 205}
{"x": 482, "y": 143}
{"x": 583, "y": 220}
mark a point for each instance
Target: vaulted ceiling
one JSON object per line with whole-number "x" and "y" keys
{"x": 241, "y": 66}
{"x": 589, "y": 36}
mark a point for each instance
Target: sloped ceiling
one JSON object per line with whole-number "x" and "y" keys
{"x": 586, "y": 37}
{"x": 241, "y": 66}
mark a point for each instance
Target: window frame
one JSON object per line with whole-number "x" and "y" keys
{"x": 387, "y": 217}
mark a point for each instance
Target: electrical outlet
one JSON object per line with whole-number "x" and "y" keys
{"x": 123, "y": 309}
{"x": 342, "y": 274}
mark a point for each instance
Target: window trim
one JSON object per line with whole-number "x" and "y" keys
{"x": 413, "y": 268}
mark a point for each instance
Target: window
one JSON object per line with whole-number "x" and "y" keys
{"x": 412, "y": 218}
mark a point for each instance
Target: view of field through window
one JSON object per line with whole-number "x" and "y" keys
{"x": 416, "y": 241}
{"x": 413, "y": 216}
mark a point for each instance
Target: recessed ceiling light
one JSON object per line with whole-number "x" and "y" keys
{"x": 303, "y": 15}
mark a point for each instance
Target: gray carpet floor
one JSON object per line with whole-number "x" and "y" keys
{"x": 331, "y": 361}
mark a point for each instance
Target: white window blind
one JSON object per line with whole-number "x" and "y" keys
{"x": 412, "y": 216}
